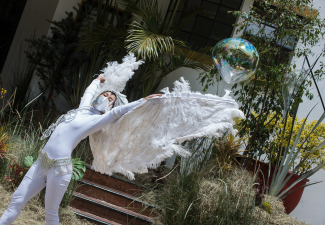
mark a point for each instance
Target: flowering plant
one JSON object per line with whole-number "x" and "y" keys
{"x": 286, "y": 159}
{"x": 314, "y": 159}
{"x": 297, "y": 146}
{"x": 16, "y": 173}
{"x": 3, "y": 92}
{"x": 4, "y": 143}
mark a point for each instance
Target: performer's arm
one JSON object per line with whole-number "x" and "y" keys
{"x": 90, "y": 92}
{"x": 109, "y": 117}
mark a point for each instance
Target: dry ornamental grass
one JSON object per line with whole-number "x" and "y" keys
{"x": 34, "y": 214}
{"x": 230, "y": 196}
{"x": 237, "y": 186}
{"x": 277, "y": 215}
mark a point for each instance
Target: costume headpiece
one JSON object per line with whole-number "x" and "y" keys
{"x": 116, "y": 75}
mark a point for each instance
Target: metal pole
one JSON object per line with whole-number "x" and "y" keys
{"x": 312, "y": 74}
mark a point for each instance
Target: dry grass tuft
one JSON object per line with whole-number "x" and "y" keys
{"x": 34, "y": 214}
{"x": 234, "y": 190}
{"x": 240, "y": 192}
{"x": 277, "y": 216}
{"x": 67, "y": 217}
{"x": 215, "y": 196}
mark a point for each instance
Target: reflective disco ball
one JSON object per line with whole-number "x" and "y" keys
{"x": 236, "y": 59}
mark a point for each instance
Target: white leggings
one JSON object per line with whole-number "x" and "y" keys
{"x": 33, "y": 182}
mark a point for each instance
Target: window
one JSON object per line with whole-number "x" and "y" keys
{"x": 208, "y": 27}
{"x": 288, "y": 43}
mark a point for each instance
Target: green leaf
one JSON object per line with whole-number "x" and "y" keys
{"x": 29, "y": 161}
{"x": 78, "y": 169}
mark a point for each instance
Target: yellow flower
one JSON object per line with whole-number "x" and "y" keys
{"x": 315, "y": 139}
{"x": 306, "y": 147}
{"x": 3, "y": 91}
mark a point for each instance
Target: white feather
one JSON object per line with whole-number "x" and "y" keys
{"x": 153, "y": 131}
{"x": 116, "y": 75}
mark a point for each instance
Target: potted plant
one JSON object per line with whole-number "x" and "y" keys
{"x": 292, "y": 149}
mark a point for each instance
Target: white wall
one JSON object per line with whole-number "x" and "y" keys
{"x": 244, "y": 8}
{"x": 311, "y": 207}
{"x": 192, "y": 76}
{"x": 64, "y": 6}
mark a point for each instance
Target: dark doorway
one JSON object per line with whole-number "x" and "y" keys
{"x": 10, "y": 13}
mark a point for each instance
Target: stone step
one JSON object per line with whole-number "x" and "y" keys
{"x": 112, "y": 182}
{"x": 108, "y": 211}
{"x": 92, "y": 217}
{"x": 115, "y": 197}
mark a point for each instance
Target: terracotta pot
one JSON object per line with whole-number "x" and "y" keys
{"x": 291, "y": 201}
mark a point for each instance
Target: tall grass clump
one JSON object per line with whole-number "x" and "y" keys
{"x": 228, "y": 198}
{"x": 207, "y": 197}
{"x": 201, "y": 191}
{"x": 24, "y": 141}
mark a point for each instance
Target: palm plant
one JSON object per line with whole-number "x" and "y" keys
{"x": 152, "y": 39}
{"x": 78, "y": 169}
{"x": 105, "y": 34}
{"x": 156, "y": 42}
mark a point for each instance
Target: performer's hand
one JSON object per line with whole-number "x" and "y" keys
{"x": 101, "y": 78}
{"x": 152, "y": 96}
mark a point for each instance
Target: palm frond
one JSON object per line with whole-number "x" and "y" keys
{"x": 137, "y": 6}
{"x": 104, "y": 36}
{"x": 197, "y": 60}
{"x": 148, "y": 44}
{"x": 152, "y": 37}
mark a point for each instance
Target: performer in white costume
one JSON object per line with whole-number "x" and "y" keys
{"x": 126, "y": 138}
{"x": 53, "y": 168}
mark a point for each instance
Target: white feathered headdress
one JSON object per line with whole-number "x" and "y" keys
{"x": 116, "y": 75}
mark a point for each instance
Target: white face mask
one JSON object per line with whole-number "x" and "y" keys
{"x": 101, "y": 104}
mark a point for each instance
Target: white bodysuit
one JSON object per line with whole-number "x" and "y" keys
{"x": 63, "y": 140}
{"x": 68, "y": 134}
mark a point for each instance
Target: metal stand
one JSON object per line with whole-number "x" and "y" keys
{"x": 312, "y": 74}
